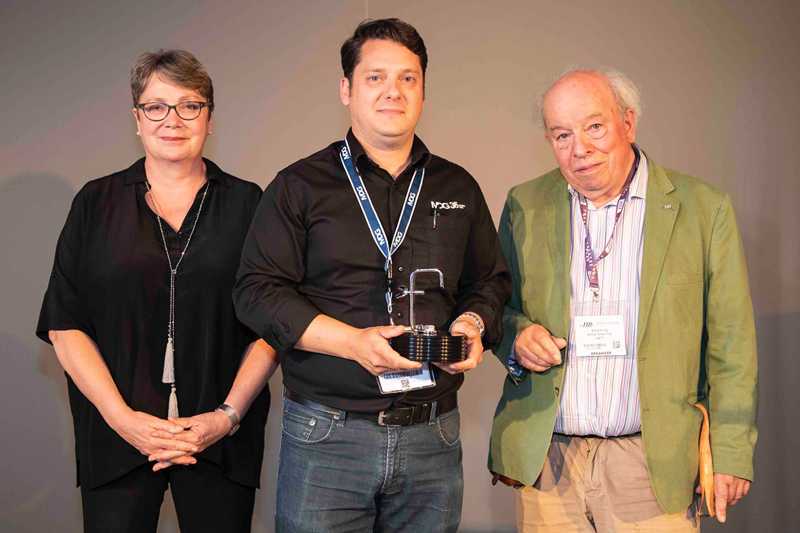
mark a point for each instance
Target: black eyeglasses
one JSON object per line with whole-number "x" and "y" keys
{"x": 158, "y": 111}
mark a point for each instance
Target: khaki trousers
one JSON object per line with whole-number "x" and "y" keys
{"x": 591, "y": 484}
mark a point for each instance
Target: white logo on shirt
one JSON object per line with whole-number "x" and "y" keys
{"x": 447, "y": 205}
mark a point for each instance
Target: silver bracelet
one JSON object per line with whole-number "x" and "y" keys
{"x": 232, "y": 415}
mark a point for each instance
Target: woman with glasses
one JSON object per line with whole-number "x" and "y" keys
{"x": 166, "y": 387}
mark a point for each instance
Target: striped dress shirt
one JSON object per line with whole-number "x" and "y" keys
{"x": 600, "y": 395}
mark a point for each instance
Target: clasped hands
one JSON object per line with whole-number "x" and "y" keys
{"x": 370, "y": 348}
{"x": 174, "y": 441}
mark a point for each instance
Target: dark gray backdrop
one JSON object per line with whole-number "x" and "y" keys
{"x": 719, "y": 80}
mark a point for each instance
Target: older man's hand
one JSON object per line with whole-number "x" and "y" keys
{"x": 537, "y": 350}
{"x": 728, "y": 490}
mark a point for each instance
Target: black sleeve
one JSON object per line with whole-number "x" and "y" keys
{"x": 485, "y": 284}
{"x": 253, "y": 198}
{"x": 63, "y": 307}
{"x": 273, "y": 265}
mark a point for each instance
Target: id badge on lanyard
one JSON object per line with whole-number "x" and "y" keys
{"x": 598, "y": 329}
{"x": 600, "y": 336}
{"x": 400, "y": 381}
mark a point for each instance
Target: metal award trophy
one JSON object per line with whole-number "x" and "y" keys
{"x": 423, "y": 342}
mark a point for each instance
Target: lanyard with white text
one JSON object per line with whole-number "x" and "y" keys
{"x": 374, "y": 223}
{"x": 588, "y": 253}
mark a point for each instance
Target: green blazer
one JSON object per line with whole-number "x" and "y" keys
{"x": 696, "y": 336}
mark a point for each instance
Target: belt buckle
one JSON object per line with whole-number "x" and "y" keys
{"x": 417, "y": 414}
{"x": 403, "y": 416}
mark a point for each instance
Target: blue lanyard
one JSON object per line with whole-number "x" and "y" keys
{"x": 374, "y": 223}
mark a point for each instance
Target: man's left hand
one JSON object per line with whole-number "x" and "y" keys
{"x": 466, "y": 327}
{"x": 728, "y": 490}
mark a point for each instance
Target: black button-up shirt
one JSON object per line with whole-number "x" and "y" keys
{"x": 110, "y": 280}
{"x": 309, "y": 251}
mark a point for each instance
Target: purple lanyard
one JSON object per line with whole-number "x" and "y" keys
{"x": 588, "y": 254}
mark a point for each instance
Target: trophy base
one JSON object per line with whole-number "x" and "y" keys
{"x": 430, "y": 348}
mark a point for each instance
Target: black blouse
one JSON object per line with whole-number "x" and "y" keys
{"x": 110, "y": 280}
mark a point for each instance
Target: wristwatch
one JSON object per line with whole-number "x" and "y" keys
{"x": 232, "y": 415}
{"x": 475, "y": 318}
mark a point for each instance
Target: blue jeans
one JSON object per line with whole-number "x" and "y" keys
{"x": 349, "y": 474}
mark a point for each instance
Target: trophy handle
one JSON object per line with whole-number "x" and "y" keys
{"x": 412, "y": 291}
{"x": 424, "y": 343}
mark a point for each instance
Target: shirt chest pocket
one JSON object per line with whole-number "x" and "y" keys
{"x": 441, "y": 228}
{"x": 441, "y": 244}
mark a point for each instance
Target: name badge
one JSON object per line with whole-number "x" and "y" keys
{"x": 599, "y": 335}
{"x": 406, "y": 380}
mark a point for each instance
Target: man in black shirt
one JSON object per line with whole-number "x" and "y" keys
{"x": 362, "y": 449}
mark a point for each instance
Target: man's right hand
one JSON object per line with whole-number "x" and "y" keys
{"x": 537, "y": 350}
{"x": 370, "y": 348}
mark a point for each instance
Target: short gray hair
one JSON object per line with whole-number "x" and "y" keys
{"x": 626, "y": 93}
{"x": 177, "y": 66}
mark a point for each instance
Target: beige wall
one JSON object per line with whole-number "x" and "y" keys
{"x": 719, "y": 80}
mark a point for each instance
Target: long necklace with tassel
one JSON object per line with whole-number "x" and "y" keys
{"x": 168, "y": 376}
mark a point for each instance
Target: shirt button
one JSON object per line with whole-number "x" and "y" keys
{"x": 557, "y": 391}
{"x": 399, "y": 314}
{"x": 400, "y": 269}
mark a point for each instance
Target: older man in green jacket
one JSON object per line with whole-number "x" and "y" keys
{"x": 630, "y": 304}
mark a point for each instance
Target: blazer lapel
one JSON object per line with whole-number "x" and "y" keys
{"x": 660, "y": 213}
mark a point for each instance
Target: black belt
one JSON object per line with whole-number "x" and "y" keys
{"x": 396, "y": 416}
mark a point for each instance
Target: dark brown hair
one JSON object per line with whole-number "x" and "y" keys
{"x": 387, "y": 29}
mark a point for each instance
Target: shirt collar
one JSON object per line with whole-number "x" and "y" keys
{"x": 638, "y": 183}
{"x": 419, "y": 152}
{"x": 136, "y": 173}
